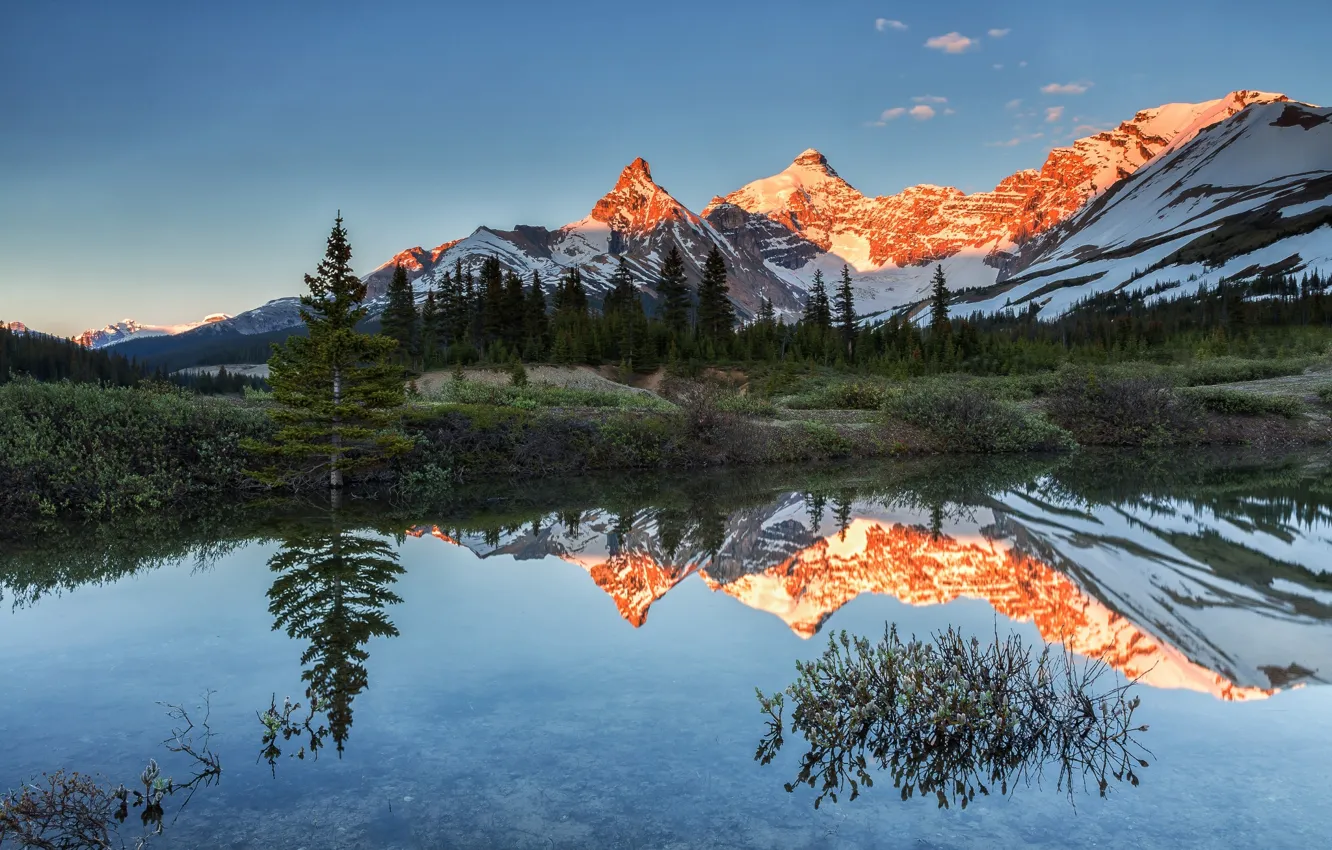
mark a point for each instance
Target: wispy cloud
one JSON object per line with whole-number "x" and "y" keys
{"x": 885, "y": 24}
{"x": 998, "y": 66}
{"x": 1022, "y": 64}
{"x": 1053, "y": 114}
{"x": 889, "y": 115}
{"x": 999, "y": 33}
{"x": 1015, "y": 141}
{"x": 1066, "y": 88}
{"x": 950, "y": 111}
{"x": 1088, "y": 130}
{"x": 1014, "y": 103}
{"x": 953, "y": 42}
{"x": 922, "y": 111}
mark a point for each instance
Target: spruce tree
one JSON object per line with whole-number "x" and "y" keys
{"x": 536, "y": 324}
{"x": 939, "y": 324}
{"x": 338, "y": 397}
{"x": 623, "y": 293}
{"x": 674, "y": 292}
{"x": 430, "y": 324}
{"x": 818, "y": 312}
{"x": 492, "y": 303}
{"x": 399, "y": 320}
{"x": 716, "y": 316}
{"x": 846, "y": 312}
{"x": 766, "y": 314}
{"x": 513, "y": 319}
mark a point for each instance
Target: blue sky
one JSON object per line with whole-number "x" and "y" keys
{"x": 166, "y": 160}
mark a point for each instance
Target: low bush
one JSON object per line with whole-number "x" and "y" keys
{"x": 1325, "y": 393}
{"x": 1124, "y": 411}
{"x": 967, "y": 420}
{"x": 1229, "y": 370}
{"x": 842, "y": 395}
{"x": 529, "y": 396}
{"x": 1239, "y": 403}
{"x": 94, "y": 451}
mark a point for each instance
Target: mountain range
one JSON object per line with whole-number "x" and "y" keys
{"x": 1169, "y": 591}
{"x": 1176, "y": 197}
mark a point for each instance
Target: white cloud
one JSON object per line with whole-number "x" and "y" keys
{"x": 1014, "y": 103}
{"x": 922, "y": 112}
{"x": 929, "y": 98}
{"x": 1066, "y": 88}
{"x": 1022, "y": 64}
{"x": 950, "y": 111}
{"x": 999, "y": 33}
{"x": 884, "y": 24}
{"x": 953, "y": 42}
{"x": 1053, "y": 114}
{"x": 889, "y": 115}
{"x": 998, "y": 67}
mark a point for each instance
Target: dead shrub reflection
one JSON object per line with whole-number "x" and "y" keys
{"x": 951, "y": 717}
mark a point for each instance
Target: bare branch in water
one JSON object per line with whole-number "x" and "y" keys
{"x": 69, "y": 810}
{"x": 951, "y": 717}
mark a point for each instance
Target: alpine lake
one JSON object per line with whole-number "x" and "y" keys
{"x": 574, "y": 663}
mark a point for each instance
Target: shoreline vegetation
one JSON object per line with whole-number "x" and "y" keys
{"x": 93, "y": 452}
{"x": 440, "y": 398}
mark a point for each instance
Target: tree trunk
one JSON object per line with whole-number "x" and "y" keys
{"x": 335, "y": 459}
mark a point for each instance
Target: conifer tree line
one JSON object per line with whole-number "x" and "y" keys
{"x": 487, "y": 313}
{"x": 491, "y": 315}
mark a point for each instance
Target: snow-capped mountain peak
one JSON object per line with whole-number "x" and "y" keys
{"x": 637, "y": 204}
{"x": 131, "y": 329}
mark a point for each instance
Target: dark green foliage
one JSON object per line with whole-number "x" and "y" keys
{"x": 85, "y": 450}
{"x": 673, "y": 291}
{"x": 1239, "y": 403}
{"x": 536, "y": 324}
{"x": 939, "y": 325}
{"x": 949, "y": 717}
{"x": 1124, "y": 411}
{"x": 399, "y": 321}
{"x": 338, "y": 397}
{"x": 818, "y": 310}
{"x": 845, "y": 307}
{"x": 716, "y": 316}
{"x": 965, "y": 419}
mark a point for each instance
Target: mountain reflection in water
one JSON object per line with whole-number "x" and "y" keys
{"x": 1223, "y": 596}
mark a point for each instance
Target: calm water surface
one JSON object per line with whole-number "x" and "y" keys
{"x": 573, "y": 664}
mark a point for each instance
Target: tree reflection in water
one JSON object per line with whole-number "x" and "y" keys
{"x": 951, "y": 717}
{"x": 331, "y": 589}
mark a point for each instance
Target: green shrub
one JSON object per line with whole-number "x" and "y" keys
{"x": 855, "y": 395}
{"x": 1124, "y": 411}
{"x": 532, "y": 396}
{"x": 1325, "y": 393}
{"x": 85, "y": 449}
{"x": 1229, "y": 370}
{"x": 1239, "y": 403}
{"x": 968, "y": 420}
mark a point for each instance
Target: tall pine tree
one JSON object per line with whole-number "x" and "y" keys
{"x": 845, "y": 302}
{"x": 674, "y": 292}
{"x": 818, "y": 312}
{"x": 939, "y": 324}
{"x": 338, "y": 398}
{"x": 536, "y": 324}
{"x": 716, "y": 316}
{"x": 399, "y": 320}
